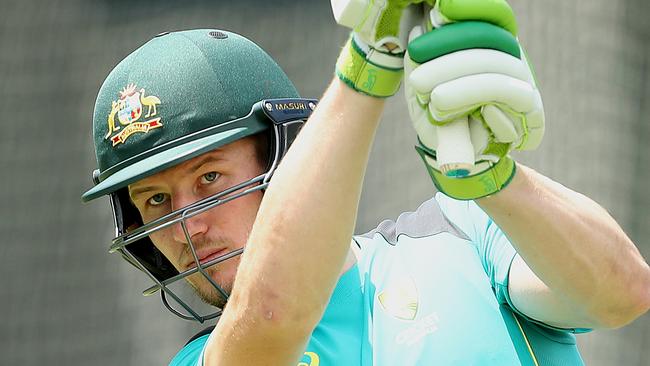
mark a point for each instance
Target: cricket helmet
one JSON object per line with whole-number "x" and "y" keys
{"x": 178, "y": 96}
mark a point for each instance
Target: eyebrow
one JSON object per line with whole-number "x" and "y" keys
{"x": 192, "y": 169}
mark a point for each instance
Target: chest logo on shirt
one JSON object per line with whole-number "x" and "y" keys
{"x": 399, "y": 298}
{"x": 313, "y": 359}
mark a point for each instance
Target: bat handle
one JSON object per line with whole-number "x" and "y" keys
{"x": 455, "y": 152}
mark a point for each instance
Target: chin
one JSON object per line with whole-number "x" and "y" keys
{"x": 207, "y": 292}
{"x": 212, "y": 297}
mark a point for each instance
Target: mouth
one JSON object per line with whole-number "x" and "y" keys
{"x": 206, "y": 256}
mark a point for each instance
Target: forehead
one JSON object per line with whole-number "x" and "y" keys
{"x": 240, "y": 152}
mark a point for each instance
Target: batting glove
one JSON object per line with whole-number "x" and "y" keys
{"x": 471, "y": 95}
{"x": 372, "y": 60}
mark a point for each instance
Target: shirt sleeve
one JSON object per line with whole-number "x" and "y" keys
{"x": 494, "y": 248}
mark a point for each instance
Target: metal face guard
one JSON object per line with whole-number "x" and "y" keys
{"x": 122, "y": 242}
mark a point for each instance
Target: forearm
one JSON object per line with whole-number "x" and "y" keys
{"x": 574, "y": 246}
{"x": 304, "y": 226}
{"x": 308, "y": 214}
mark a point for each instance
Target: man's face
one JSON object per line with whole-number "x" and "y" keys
{"x": 214, "y": 232}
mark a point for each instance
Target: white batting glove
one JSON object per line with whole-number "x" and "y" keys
{"x": 372, "y": 60}
{"x": 476, "y": 74}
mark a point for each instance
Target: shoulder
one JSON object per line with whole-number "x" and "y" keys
{"x": 427, "y": 220}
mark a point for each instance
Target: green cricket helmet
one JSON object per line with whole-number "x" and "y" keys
{"x": 180, "y": 95}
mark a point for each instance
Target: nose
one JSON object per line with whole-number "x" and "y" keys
{"x": 195, "y": 225}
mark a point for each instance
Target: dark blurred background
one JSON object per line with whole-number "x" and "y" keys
{"x": 65, "y": 301}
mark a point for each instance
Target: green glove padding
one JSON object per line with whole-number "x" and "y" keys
{"x": 462, "y": 36}
{"x": 483, "y": 184}
{"x": 497, "y": 12}
{"x": 355, "y": 68}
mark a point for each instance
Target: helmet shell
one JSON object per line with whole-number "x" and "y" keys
{"x": 159, "y": 106}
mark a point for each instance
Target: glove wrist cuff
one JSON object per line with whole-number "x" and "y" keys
{"x": 485, "y": 183}
{"x": 369, "y": 71}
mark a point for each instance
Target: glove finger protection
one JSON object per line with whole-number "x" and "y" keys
{"x": 372, "y": 60}
{"x": 477, "y": 73}
{"x": 496, "y": 12}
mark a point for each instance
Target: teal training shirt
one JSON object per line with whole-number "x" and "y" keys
{"x": 191, "y": 354}
{"x": 536, "y": 343}
{"x": 429, "y": 288}
{"x": 430, "y": 298}
{"x": 337, "y": 337}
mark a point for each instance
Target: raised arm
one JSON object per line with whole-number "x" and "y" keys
{"x": 302, "y": 234}
{"x": 577, "y": 268}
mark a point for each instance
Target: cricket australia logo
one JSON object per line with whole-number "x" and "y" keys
{"x": 128, "y": 110}
{"x": 399, "y": 298}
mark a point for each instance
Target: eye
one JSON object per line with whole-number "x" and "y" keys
{"x": 210, "y": 177}
{"x": 157, "y": 199}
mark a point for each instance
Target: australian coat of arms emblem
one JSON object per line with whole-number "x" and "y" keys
{"x": 129, "y": 109}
